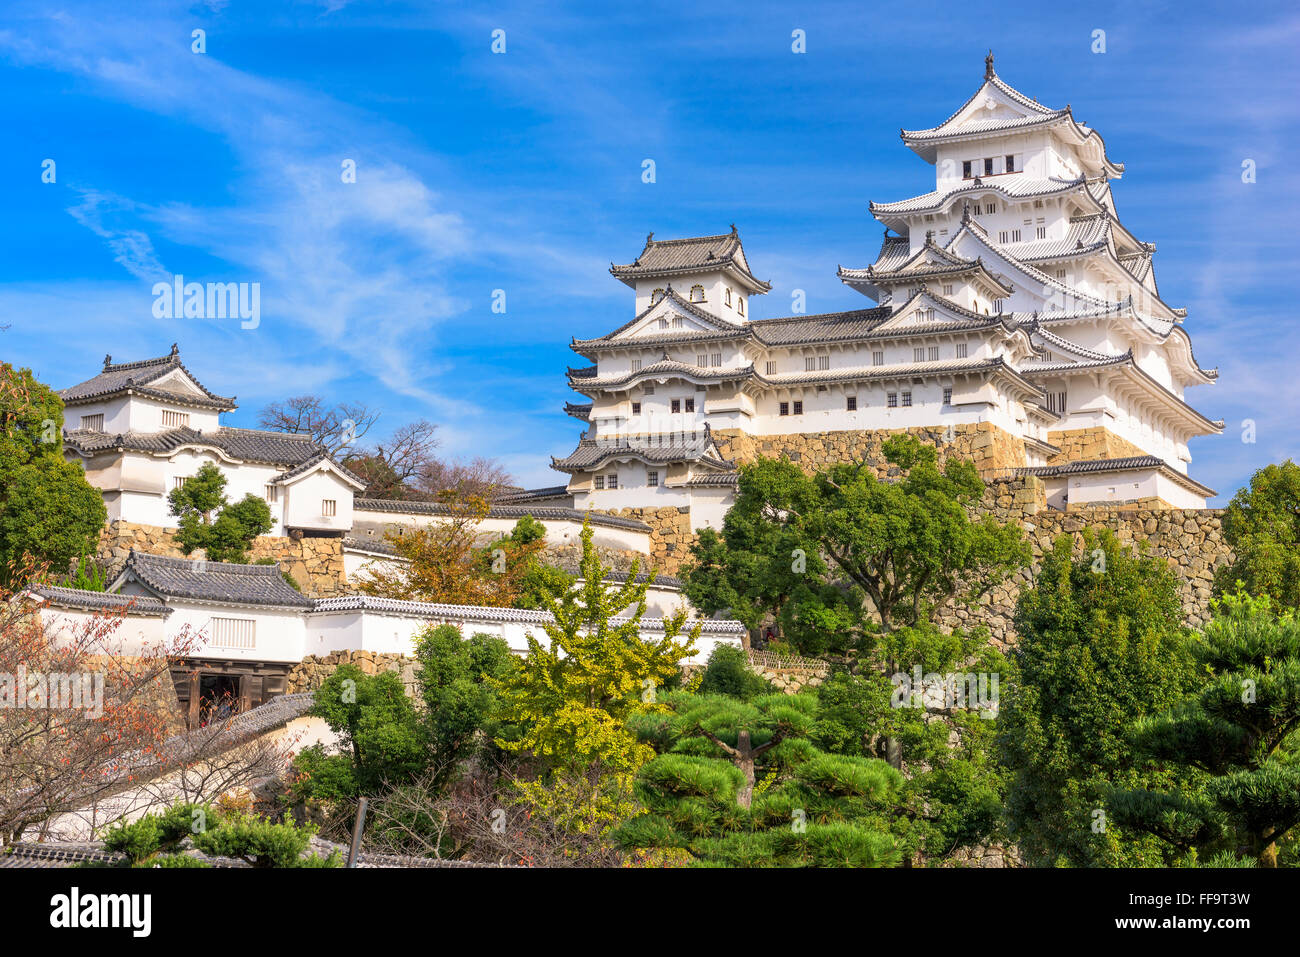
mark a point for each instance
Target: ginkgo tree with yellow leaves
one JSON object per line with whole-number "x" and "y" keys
{"x": 569, "y": 704}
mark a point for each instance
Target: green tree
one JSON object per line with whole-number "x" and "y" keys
{"x": 568, "y": 704}
{"x": 728, "y": 673}
{"x": 1236, "y": 737}
{"x": 1100, "y": 644}
{"x": 1262, "y": 524}
{"x": 380, "y": 735}
{"x": 459, "y": 678}
{"x": 49, "y": 513}
{"x": 811, "y": 809}
{"x": 228, "y": 536}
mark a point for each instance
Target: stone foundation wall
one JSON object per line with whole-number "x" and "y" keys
{"x": 1191, "y": 540}
{"x": 1093, "y": 443}
{"x": 983, "y": 443}
{"x": 671, "y": 535}
{"x": 310, "y": 673}
{"x": 316, "y": 564}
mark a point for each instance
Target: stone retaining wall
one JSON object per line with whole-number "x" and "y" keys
{"x": 316, "y": 564}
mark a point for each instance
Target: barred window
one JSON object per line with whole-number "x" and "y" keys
{"x": 891, "y": 400}
{"x": 175, "y": 420}
{"x": 961, "y": 350}
{"x": 932, "y": 353}
{"x": 690, "y": 404}
{"x": 600, "y": 481}
{"x": 677, "y": 405}
{"x": 329, "y": 507}
{"x": 652, "y": 478}
{"x": 636, "y": 365}
{"x": 636, "y": 408}
{"x": 823, "y": 362}
{"x": 785, "y": 408}
{"x": 94, "y": 423}
{"x": 809, "y": 363}
{"x": 798, "y": 407}
{"x": 272, "y": 493}
{"x": 717, "y": 358}
{"x": 233, "y": 633}
{"x": 907, "y": 399}
{"x": 770, "y": 368}
{"x": 611, "y": 480}
{"x": 877, "y": 358}
{"x": 697, "y": 293}
{"x": 947, "y": 396}
{"x": 918, "y": 354}
{"x": 851, "y": 403}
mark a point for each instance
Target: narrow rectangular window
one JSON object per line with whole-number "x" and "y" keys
{"x": 798, "y": 407}
{"x": 701, "y": 361}
{"x": 891, "y": 400}
{"x": 95, "y": 423}
{"x": 877, "y": 358}
{"x": 918, "y": 354}
{"x": 988, "y": 166}
{"x": 652, "y": 478}
{"x": 677, "y": 322}
{"x": 1003, "y": 236}
{"x": 1015, "y": 236}
{"x": 717, "y": 358}
{"x": 677, "y": 405}
{"x": 175, "y": 420}
{"x": 1042, "y": 232}
{"x": 636, "y": 408}
{"x": 328, "y": 507}
{"x": 272, "y": 493}
{"x": 961, "y": 350}
{"x": 851, "y": 403}
{"x": 932, "y": 353}
{"x": 785, "y": 408}
{"x": 809, "y": 363}
{"x": 823, "y": 362}
{"x": 600, "y": 481}
{"x": 947, "y": 289}
{"x": 965, "y": 169}
{"x": 178, "y": 481}
{"x": 648, "y": 389}
{"x": 636, "y": 365}
{"x": 690, "y": 405}
{"x": 611, "y": 481}
{"x": 1011, "y": 163}
{"x": 907, "y": 399}
{"x": 770, "y": 368}
{"x": 947, "y": 396}
{"x": 990, "y": 208}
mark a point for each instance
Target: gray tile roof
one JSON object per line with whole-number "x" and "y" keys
{"x": 1013, "y": 186}
{"x": 579, "y": 410}
{"x": 205, "y": 581}
{"x": 552, "y": 493}
{"x": 61, "y": 597}
{"x": 419, "y": 609}
{"x": 1128, "y": 464}
{"x": 670, "y": 257}
{"x": 317, "y": 459}
{"x": 249, "y": 445}
{"x": 664, "y": 367}
{"x": 661, "y": 448}
{"x": 117, "y": 377}
{"x": 539, "y": 512}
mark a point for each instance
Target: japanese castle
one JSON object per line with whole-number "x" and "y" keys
{"x": 1011, "y": 314}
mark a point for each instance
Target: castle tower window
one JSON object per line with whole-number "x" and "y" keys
{"x": 1011, "y": 163}
{"x": 961, "y": 350}
{"x": 272, "y": 493}
{"x": 891, "y": 400}
{"x": 636, "y": 408}
{"x": 175, "y": 420}
{"x": 178, "y": 481}
{"x": 823, "y": 362}
{"x": 947, "y": 396}
{"x": 784, "y": 408}
{"x": 677, "y": 322}
{"x": 877, "y": 358}
{"x": 717, "y": 358}
{"x": 611, "y": 480}
{"x": 652, "y": 478}
{"x": 947, "y": 289}
{"x": 1041, "y": 232}
{"x": 329, "y": 507}
{"x": 701, "y": 361}
{"x": 798, "y": 407}
{"x": 599, "y": 481}
{"x": 769, "y": 368}
{"x": 94, "y": 423}
{"x": 728, "y": 299}
{"x": 851, "y": 403}
{"x": 648, "y": 389}
{"x": 907, "y": 399}
{"x": 636, "y": 365}
{"x": 918, "y": 354}
{"x": 677, "y": 405}
{"x": 740, "y": 305}
{"x": 965, "y": 169}
{"x": 990, "y": 207}
{"x": 690, "y": 405}
{"x": 932, "y": 353}
{"x": 697, "y": 293}
{"x": 809, "y": 363}
{"x": 656, "y": 295}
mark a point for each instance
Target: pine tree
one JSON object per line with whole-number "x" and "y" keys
{"x": 810, "y": 809}
{"x": 1237, "y": 736}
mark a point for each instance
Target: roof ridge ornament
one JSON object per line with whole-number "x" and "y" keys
{"x": 176, "y": 349}
{"x": 988, "y": 67}
{"x": 108, "y": 361}
{"x": 965, "y": 213}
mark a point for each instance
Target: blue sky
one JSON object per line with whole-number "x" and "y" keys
{"x": 522, "y": 171}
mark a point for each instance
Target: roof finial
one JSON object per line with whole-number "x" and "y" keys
{"x": 929, "y": 236}
{"x": 108, "y": 361}
{"x": 176, "y": 349}
{"x": 648, "y": 237}
{"x": 733, "y": 229}
{"x": 965, "y": 213}
{"x": 988, "y": 66}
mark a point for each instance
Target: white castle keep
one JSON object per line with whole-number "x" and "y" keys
{"x": 1013, "y": 312}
